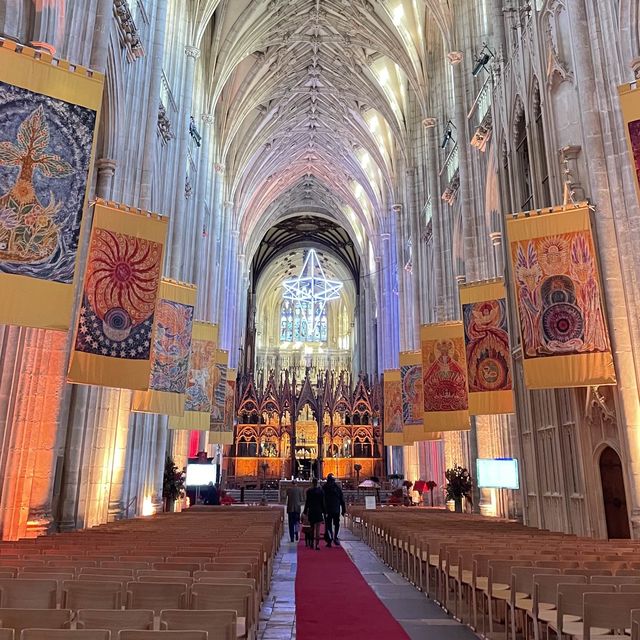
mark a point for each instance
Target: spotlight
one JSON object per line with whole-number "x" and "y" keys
{"x": 448, "y": 135}
{"x": 482, "y": 60}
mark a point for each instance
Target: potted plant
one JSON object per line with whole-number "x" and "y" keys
{"x": 458, "y": 486}
{"x": 172, "y": 485}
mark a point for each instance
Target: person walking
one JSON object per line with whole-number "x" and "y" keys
{"x": 334, "y": 506}
{"x": 294, "y": 505}
{"x": 314, "y": 509}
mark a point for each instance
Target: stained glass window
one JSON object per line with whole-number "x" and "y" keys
{"x": 303, "y": 321}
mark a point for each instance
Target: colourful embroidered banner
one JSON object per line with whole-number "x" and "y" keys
{"x": 202, "y": 374}
{"x": 444, "y": 377}
{"x": 412, "y": 401}
{"x": 486, "y": 337}
{"x": 630, "y": 103}
{"x": 224, "y": 397}
{"x": 171, "y": 351}
{"x": 114, "y": 331}
{"x": 392, "y": 388}
{"x": 48, "y": 120}
{"x": 565, "y": 342}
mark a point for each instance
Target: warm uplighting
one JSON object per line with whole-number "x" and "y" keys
{"x": 147, "y": 507}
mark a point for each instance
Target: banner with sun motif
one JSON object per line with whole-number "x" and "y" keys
{"x": 202, "y": 376}
{"x": 171, "y": 351}
{"x": 630, "y": 103}
{"x": 114, "y": 331}
{"x": 444, "y": 377}
{"x": 486, "y": 337}
{"x": 565, "y": 341}
{"x": 48, "y": 122}
{"x": 392, "y": 390}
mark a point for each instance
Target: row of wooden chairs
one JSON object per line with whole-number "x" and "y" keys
{"x": 202, "y": 564}
{"x": 481, "y": 569}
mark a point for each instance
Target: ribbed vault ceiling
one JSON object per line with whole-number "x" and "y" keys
{"x": 311, "y": 99}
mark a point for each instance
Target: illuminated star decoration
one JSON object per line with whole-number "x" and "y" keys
{"x": 314, "y": 287}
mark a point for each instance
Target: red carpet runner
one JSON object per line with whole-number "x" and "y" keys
{"x": 333, "y": 601}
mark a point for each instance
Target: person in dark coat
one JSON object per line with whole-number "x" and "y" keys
{"x": 314, "y": 509}
{"x": 294, "y": 503}
{"x": 334, "y": 506}
{"x": 211, "y": 495}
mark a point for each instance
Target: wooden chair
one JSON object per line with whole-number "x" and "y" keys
{"x": 28, "y": 594}
{"x": 162, "y": 635}
{"x": 570, "y": 608}
{"x": 616, "y": 580}
{"x": 545, "y": 598}
{"x": 635, "y": 624}
{"x": 19, "y": 619}
{"x": 156, "y": 596}
{"x": 7, "y": 634}
{"x": 115, "y": 621}
{"x": 190, "y": 567}
{"x": 608, "y": 610}
{"x": 107, "y": 572}
{"x": 185, "y": 580}
{"x": 218, "y": 623}
{"x": 234, "y": 597}
{"x": 92, "y": 595}
{"x": 65, "y": 634}
{"x": 167, "y": 574}
{"x": 521, "y": 594}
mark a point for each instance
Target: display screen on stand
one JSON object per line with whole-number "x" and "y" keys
{"x": 498, "y": 473}
{"x": 199, "y": 475}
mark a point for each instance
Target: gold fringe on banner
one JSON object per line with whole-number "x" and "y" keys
{"x": 444, "y": 377}
{"x": 556, "y": 279}
{"x": 114, "y": 330}
{"x": 42, "y": 211}
{"x": 171, "y": 353}
{"x": 392, "y": 389}
{"x": 630, "y": 103}
{"x": 202, "y": 373}
{"x": 488, "y": 351}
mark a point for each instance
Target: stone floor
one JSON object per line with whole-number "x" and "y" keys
{"x": 419, "y": 617}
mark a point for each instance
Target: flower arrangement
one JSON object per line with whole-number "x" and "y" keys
{"x": 459, "y": 483}
{"x": 431, "y": 485}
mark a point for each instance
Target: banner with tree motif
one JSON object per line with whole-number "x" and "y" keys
{"x": 444, "y": 377}
{"x": 565, "y": 341}
{"x": 48, "y": 123}
{"x": 486, "y": 337}
{"x": 392, "y": 390}
{"x": 630, "y": 103}
{"x": 202, "y": 374}
{"x": 171, "y": 351}
{"x": 114, "y": 330}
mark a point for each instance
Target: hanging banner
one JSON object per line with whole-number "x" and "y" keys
{"x": 114, "y": 331}
{"x": 202, "y": 373}
{"x": 221, "y": 397}
{"x": 171, "y": 351}
{"x": 444, "y": 377}
{"x": 565, "y": 342}
{"x": 412, "y": 399}
{"x": 392, "y": 389}
{"x": 412, "y": 402}
{"x": 630, "y": 103}
{"x": 486, "y": 337}
{"x": 226, "y": 436}
{"x": 48, "y": 122}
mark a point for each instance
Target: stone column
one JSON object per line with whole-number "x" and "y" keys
{"x": 470, "y": 232}
{"x": 618, "y": 306}
{"x": 500, "y": 39}
{"x": 498, "y": 255}
{"x": 153, "y": 104}
{"x": 436, "y": 224}
{"x": 47, "y": 32}
{"x": 101, "y": 32}
{"x": 178, "y": 226}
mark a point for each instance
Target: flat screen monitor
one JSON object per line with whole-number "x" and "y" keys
{"x": 499, "y": 473}
{"x": 199, "y": 475}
